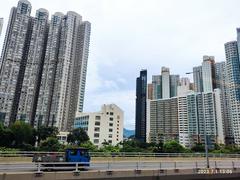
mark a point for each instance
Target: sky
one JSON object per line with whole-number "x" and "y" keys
{"x": 130, "y": 35}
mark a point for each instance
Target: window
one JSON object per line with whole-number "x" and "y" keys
{"x": 96, "y": 141}
{"x": 97, "y": 123}
{"x": 118, "y": 117}
{"x": 97, "y": 129}
{"x": 110, "y": 124}
{"x": 96, "y": 134}
{"x": 111, "y": 119}
{"x": 97, "y": 117}
{"x": 111, "y": 113}
{"x": 110, "y": 135}
{"x": 110, "y": 130}
{"x": 110, "y": 141}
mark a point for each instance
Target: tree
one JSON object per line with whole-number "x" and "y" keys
{"x": 6, "y": 136}
{"x": 89, "y": 145}
{"x": 77, "y": 136}
{"x": 110, "y": 148}
{"x": 44, "y": 132}
{"x": 23, "y": 134}
{"x": 173, "y": 147}
{"x": 130, "y": 146}
{"x": 198, "y": 147}
{"x": 158, "y": 147}
{"x": 50, "y": 144}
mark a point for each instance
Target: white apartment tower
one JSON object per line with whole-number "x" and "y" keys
{"x": 208, "y": 73}
{"x": 70, "y": 75}
{"x": 165, "y": 83}
{"x": 103, "y": 126}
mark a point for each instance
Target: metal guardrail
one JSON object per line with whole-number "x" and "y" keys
{"x": 112, "y": 166}
{"x": 122, "y": 154}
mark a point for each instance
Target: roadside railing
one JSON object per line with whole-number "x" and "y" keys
{"x": 115, "y": 166}
{"x": 122, "y": 154}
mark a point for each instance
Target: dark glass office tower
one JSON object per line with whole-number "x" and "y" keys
{"x": 141, "y": 106}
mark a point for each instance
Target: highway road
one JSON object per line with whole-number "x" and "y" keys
{"x": 29, "y": 167}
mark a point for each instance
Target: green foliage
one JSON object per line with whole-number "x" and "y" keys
{"x": 89, "y": 145}
{"x": 50, "y": 144}
{"x": 110, "y": 148}
{"x": 23, "y": 134}
{"x": 77, "y": 137}
{"x": 173, "y": 147}
{"x": 12, "y": 150}
{"x": 6, "y": 136}
{"x": 198, "y": 147}
{"x": 44, "y": 132}
{"x": 136, "y": 146}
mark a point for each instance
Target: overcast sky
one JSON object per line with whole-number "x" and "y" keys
{"x": 130, "y": 35}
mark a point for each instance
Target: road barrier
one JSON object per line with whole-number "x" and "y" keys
{"x": 122, "y": 154}
{"x": 226, "y": 165}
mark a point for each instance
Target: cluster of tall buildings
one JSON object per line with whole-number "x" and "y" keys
{"x": 206, "y": 110}
{"x": 43, "y": 67}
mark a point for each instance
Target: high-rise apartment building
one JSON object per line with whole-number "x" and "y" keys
{"x": 157, "y": 86}
{"x": 197, "y": 79}
{"x": 163, "y": 120}
{"x": 45, "y": 101}
{"x": 43, "y": 67}
{"x": 222, "y": 84}
{"x": 184, "y": 87}
{"x": 208, "y": 73}
{"x": 150, "y": 91}
{"x": 1, "y": 25}
{"x": 165, "y": 82}
{"x": 233, "y": 80}
{"x": 33, "y": 68}
{"x": 13, "y": 60}
{"x": 165, "y": 85}
{"x": 103, "y": 126}
{"x": 141, "y": 107}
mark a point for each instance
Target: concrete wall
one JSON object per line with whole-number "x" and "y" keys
{"x": 120, "y": 175}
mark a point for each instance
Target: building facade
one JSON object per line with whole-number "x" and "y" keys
{"x": 1, "y": 25}
{"x": 33, "y": 68}
{"x": 197, "y": 79}
{"x": 208, "y": 73}
{"x": 163, "y": 120}
{"x": 13, "y": 60}
{"x": 222, "y": 84}
{"x": 43, "y": 67}
{"x": 105, "y": 126}
{"x": 165, "y": 85}
{"x": 141, "y": 107}
{"x": 233, "y": 79}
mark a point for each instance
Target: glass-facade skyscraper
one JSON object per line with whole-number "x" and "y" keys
{"x": 141, "y": 107}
